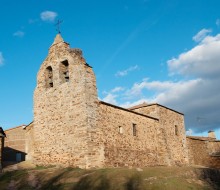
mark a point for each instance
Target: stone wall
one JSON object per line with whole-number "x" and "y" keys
{"x": 29, "y": 141}
{"x": 15, "y": 144}
{"x": 202, "y": 152}
{"x": 214, "y": 147}
{"x": 65, "y": 112}
{"x": 1, "y": 151}
{"x": 121, "y": 147}
{"x": 151, "y": 110}
{"x": 72, "y": 128}
{"x": 171, "y": 124}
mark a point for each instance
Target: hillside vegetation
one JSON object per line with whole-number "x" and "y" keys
{"x": 164, "y": 178}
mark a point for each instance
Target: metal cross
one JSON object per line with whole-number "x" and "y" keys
{"x": 58, "y": 25}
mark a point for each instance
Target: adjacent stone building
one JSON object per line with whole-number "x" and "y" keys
{"x": 15, "y": 144}
{"x": 2, "y": 137}
{"x": 72, "y": 127}
{"x": 204, "y": 151}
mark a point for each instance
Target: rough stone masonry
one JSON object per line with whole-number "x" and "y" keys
{"x": 72, "y": 127}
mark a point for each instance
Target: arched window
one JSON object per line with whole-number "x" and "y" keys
{"x": 64, "y": 71}
{"x": 49, "y": 77}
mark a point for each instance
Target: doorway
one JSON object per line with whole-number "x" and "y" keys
{"x": 18, "y": 157}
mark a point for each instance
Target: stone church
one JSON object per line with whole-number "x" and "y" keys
{"x": 71, "y": 127}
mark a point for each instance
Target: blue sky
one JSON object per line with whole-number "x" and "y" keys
{"x": 141, "y": 50}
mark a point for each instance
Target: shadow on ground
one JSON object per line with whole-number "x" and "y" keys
{"x": 111, "y": 179}
{"x": 211, "y": 176}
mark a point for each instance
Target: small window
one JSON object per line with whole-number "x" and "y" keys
{"x": 64, "y": 71}
{"x": 176, "y": 130}
{"x": 49, "y": 77}
{"x": 134, "y": 129}
{"x": 120, "y": 129}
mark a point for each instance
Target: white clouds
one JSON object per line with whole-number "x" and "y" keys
{"x": 49, "y": 16}
{"x": 126, "y": 71}
{"x": 19, "y": 34}
{"x": 195, "y": 98}
{"x": 196, "y": 95}
{"x": 1, "y": 59}
{"x": 110, "y": 98}
{"x": 137, "y": 88}
{"x": 117, "y": 89}
{"x": 201, "y": 61}
{"x": 163, "y": 90}
{"x": 189, "y": 132}
{"x": 46, "y": 16}
{"x": 201, "y": 35}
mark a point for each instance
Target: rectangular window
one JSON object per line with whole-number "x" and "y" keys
{"x": 176, "y": 130}
{"x": 134, "y": 129}
{"x": 120, "y": 129}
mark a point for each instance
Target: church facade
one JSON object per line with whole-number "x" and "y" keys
{"x": 71, "y": 127}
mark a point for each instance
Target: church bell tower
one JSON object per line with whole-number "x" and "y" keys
{"x": 65, "y": 109}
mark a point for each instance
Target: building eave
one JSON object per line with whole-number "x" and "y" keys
{"x": 127, "y": 110}
{"x": 153, "y": 104}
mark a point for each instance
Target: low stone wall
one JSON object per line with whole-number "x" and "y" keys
{"x": 214, "y": 161}
{"x": 201, "y": 152}
{"x": 1, "y": 151}
{"x": 214, "y": 147}
{"x": 14, "y": 147}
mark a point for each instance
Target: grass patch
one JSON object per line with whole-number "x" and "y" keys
{"x": 16, "y": 176}
{"x": 165, "y": 178}
{"x": 39, "y": 167}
